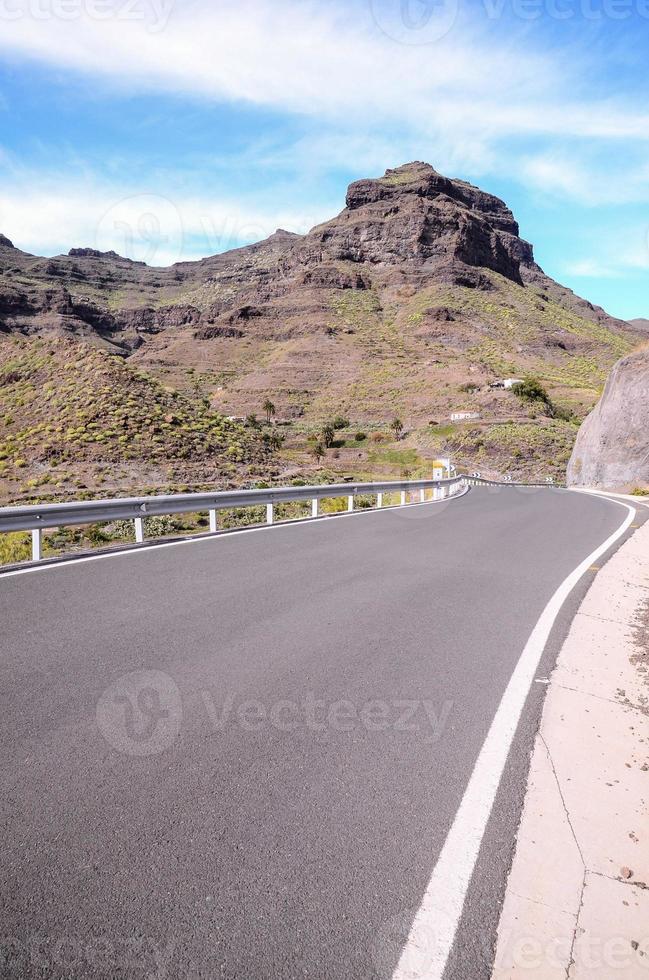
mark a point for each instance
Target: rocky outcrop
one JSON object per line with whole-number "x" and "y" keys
{"x": 413, "y": 228}
{"x": 94, "y": 253}
{"x": 416, "y": 216}
{"x": 612, "y": 448}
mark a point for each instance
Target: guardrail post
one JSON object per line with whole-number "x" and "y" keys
{"x": 139, "y": 529}
{"x": 350, "y": 503}
{"x": 403, "y": 498}
{"x": 422, "y": 496}
{"x": 214, "y": 523}
{"x": 37, "y": 545}
{"x": 270, "y": 513}
{"x": 379, "y": 500}
{"x": 315, "y": 508}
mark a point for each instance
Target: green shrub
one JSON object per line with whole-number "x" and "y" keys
{"x": 14, "y": 547}
{"x": 360, "y": 436}
{"x": 154, "y": 527}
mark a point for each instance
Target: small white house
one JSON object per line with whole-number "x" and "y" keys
{"x": 506, "y": 383}
{"x": 465, "y": 416}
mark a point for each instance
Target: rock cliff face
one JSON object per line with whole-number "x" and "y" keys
{"x": 412, "y": 227}
{"x": 416, "y": 217}
{"x": 612, "y": 448}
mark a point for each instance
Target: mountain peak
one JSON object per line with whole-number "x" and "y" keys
{"x": 415, "y": 169}
{"x": 417, "y": 216}
{"x": 420, "y": 182}
{"x": 282, "y": 235}
{"x": 5, "y": 242}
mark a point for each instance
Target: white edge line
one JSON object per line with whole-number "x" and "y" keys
{"x": 611, "y": 495}
{"x": 432, "y": 935}
{"x": 203, "y": 538}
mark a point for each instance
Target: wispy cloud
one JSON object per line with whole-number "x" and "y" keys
{"x": 592, "y": 269}
{"x": 329, "y": 61}
{"x": 156, "y": 228}
{"x": 589, "y": 179}
{"x": 621, "y": 254}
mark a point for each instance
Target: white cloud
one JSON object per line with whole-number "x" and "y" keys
{"x": 588, "y": 180}
{"x": 150, "y": 227}
{"x": 637, "y": 257}
{"x": 592, "y": 269}
{"x": 328, "y": 61}
{"x": 620, "y": 254}
{"x": 472, "y": 103}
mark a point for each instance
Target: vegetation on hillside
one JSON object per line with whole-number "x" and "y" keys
{"x": 69, "y": 410}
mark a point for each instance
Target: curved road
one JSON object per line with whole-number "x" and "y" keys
{"x": 241, "y": 757}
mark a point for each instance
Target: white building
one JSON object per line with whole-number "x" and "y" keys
{"x": 506, "y": 383}
{"x": 465, "y": 416}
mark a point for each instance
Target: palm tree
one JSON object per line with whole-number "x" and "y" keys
{"x": 328, "y": 436}
{"x": 269, "y": 409}
{"x": 318, "y": 451}
{"x": 397, "y": 427}
{"x": 277, "y": 440}
{"x": 273, "y": 441}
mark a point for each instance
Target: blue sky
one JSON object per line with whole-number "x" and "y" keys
{"x": 171, "y": 129}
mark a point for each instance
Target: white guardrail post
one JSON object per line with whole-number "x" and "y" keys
{"x": 214, "y": 522}
{"x": 379, "y": 500}
{"x": 270, "y": 513}
{"x": 139, "y": 530}
{"x": 350, "y": 503}
{"x": 37, "y": 545}
{"x": 315, "y": 507}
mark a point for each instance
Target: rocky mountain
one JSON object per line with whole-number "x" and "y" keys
{"x": 416, "y": 300}
{"x": 612, "y": 448}
{"x": 640, "y": 325}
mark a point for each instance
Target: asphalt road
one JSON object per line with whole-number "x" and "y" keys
{"x": 240, "y": 758}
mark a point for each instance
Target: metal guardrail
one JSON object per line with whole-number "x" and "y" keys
{"x": 39, "y": 517}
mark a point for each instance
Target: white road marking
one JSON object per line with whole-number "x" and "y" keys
{"x": 612, "y": 495}
{"x": 431, "y": 937}
{"x": 66, "y": 562}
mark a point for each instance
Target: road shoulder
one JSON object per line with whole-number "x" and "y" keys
{"x": 577, "y": 900}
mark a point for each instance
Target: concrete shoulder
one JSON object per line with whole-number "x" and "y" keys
{"x": 577, "y": 900}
